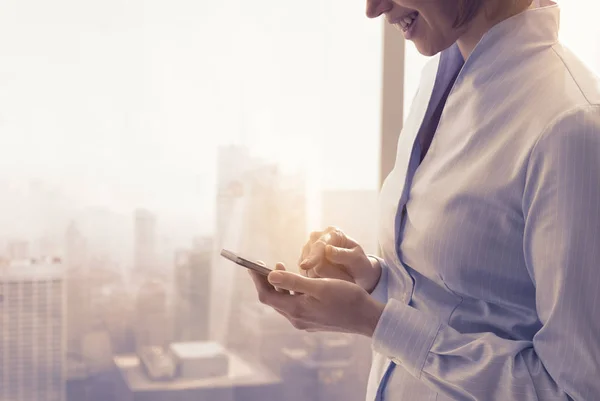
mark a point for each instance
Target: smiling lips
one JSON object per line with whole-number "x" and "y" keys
{"x": 407, "y": 21}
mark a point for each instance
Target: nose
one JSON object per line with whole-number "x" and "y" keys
{"x": 377, "y": 7}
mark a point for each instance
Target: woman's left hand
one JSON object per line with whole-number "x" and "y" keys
{"x": 319, "y": 304}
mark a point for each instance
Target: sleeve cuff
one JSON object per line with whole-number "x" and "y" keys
{"x": 405, "y": 335}
{"x": 380, "y": 292}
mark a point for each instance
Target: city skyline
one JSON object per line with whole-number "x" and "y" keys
{"x": 127, "y": 315}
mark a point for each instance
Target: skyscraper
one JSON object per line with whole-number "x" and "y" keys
{"x": 152, "y": 326}
{"x": 233, "y": 162}
{"x": 17, "y": 250}
{"x": 75, "y": 247}
{"x": 267, "y": 334}
{"x": 77, "y": 288}
{"x": 144, "y": 241}
{"x": 271, "y": 227}
{"x": 192, "y": 292}
{"x": 32, "y": 331}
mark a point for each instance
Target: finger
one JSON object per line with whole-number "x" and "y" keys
{"x": 341, "y": 256}
{"x": 280, "y": 267}
{"x": 305, "y": 251}
{"x": 262, "y": 263}
{"x": 333, "y": 271}
{"x": 317, "y": 252}
{"x": 260, "y": 282}
{"x": 331, "y": 236}
{"x": 267, "y": 294}
{"x": 311, "y": 273}
{"x": 314, "y": 236}
{"x": 295, "y": 282}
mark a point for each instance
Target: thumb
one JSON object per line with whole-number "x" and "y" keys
{"x": 340, "y": 256}
{"x": 294, "y": 282}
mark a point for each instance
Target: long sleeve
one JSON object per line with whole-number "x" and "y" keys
{"x": 380, "y": 292}
{"x": 561, "y": 244}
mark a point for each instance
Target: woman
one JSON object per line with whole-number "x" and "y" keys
{"x": 490, "y": 229}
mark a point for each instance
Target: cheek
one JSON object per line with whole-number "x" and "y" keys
{"x": 436, "y": 30}
{"x": 440, "y": 15}
{"x": 432, "y": 40}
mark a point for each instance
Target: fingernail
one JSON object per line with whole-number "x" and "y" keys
{"x": 304, "y": 263}
{"x": 275, "y": 278}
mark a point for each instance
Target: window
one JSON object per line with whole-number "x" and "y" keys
{"x": 414, "y": 63}
{"x": 579, "y": 30}
{"x": 136, "y": 132}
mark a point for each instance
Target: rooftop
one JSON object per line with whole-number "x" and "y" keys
{"x": 32, "y": 270}
{"x": 241, "y": 374}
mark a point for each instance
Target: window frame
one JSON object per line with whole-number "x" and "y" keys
{"x": 392, "y": 98}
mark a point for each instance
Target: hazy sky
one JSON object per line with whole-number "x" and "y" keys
{"x": 123, "y": 103}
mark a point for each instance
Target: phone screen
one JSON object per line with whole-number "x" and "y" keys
{"x": 248, "y": 264}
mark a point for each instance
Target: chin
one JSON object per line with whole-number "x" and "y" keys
{"x": 426, "y": 49}
{"x": 431, "y": 48}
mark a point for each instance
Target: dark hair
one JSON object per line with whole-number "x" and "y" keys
{"x": 467, "y": 9}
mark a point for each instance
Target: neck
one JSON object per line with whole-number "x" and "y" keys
{"x": 484, "y": 21}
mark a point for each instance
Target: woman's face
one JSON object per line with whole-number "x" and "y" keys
{"x": 428, "y": 23}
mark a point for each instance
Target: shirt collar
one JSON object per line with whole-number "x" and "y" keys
{"x": 510, "y": 40}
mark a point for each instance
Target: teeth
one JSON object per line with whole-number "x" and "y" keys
{"x": 407, "y": 21}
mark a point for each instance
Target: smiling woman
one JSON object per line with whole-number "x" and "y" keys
{"x": 498, "y": 162}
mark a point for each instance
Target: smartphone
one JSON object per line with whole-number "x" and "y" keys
{"x": 248, "y": 264}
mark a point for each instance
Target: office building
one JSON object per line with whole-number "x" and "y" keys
{"x": 32, "y": 331}
{"x": 77, "y": 288}
{"x": 199, "y": 359}
{"x": 75, "y": 247}
{"x": 144, "y": 241}
{"x": 321, "y": 368}
{"x": 267, "y": 333}
{"x": 191, "y": 306}
{"x": 232, "y": 164}
{"x": 270, "y": 226}
{"x": 152, "y": 326}
{"x": 243, "y": 382}
{"x": 17, "y": 250}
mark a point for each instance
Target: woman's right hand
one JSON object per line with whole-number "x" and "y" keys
{"x": 332, "y": 254}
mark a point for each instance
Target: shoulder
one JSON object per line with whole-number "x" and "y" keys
{"x": 580, "y": 124}
{"x": 572, "y": 74}
{"x": 570, "y": 144}
{"x": 562, "y": 95}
